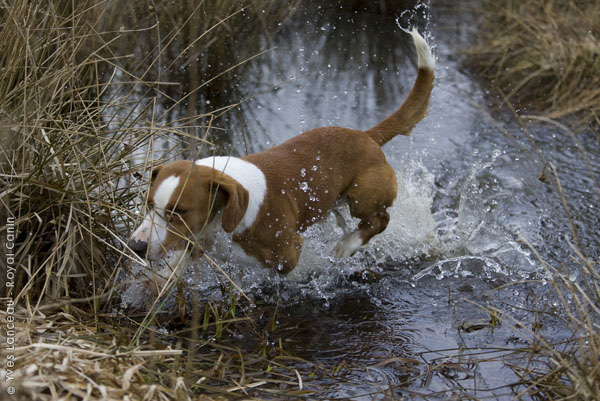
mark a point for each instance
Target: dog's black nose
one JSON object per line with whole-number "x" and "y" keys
{"x": 139, "y": 247}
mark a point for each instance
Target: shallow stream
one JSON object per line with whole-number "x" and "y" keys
{"x": 470, "y": 199}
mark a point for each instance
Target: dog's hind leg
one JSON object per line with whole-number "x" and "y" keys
{"x": 370, "y": 194}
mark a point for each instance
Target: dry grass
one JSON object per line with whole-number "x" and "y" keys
{"x": 77, "y": 355}
{"x": 543, "y": 55}
{"x": 80, "y": 120}
{"x": 68, "y": 170}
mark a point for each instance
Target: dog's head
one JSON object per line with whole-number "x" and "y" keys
{"x": 183, "y": 199}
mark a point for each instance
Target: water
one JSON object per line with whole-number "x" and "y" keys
{"x": 469, "y": 192}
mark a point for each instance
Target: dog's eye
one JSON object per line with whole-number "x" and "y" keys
{"x": 175, "y": 214}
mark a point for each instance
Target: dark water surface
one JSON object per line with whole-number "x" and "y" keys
{"x": 469, "y": 193}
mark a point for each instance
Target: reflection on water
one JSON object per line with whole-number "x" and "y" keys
{"x": 468, "y": 192}
{"x": 186, "y": 60}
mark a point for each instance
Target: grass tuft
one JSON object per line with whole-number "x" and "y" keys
{"x": 543, "y": 55}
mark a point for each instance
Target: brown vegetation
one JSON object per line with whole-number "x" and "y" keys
{"x": 543, "y": 55}
{"x": 78, "y": 125}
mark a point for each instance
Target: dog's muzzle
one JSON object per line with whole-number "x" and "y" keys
{"x": 139, "y": 247}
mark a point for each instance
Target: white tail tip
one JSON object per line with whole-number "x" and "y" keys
{"x": 425, "y": 58}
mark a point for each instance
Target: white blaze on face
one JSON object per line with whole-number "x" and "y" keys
{"x": 153, "y": 229}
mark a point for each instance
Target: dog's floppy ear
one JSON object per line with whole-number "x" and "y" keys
{"x": 155, "y": 171}
{"x": 237, "y": 202}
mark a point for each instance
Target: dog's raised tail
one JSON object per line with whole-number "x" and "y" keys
{"x": 414, "y": 108}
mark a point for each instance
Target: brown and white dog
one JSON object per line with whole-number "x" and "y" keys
{"x": 267, "y": 199}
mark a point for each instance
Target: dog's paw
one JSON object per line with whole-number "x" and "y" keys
{"x": 348, "y": 245}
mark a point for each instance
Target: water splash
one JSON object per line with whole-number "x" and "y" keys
{"x": 410, "y": 233}
{"x": 421, "y": 10}
{"x": 465, "y": 242}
